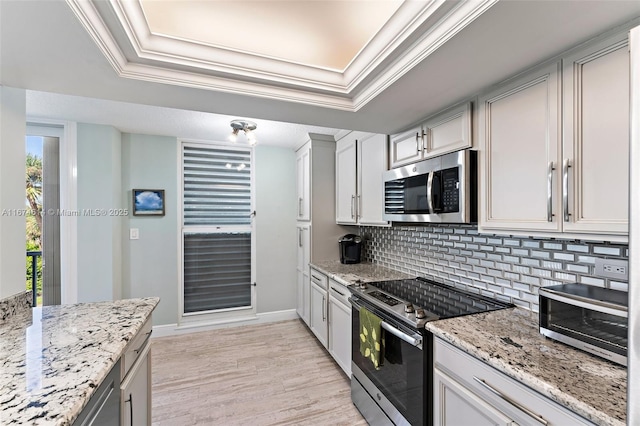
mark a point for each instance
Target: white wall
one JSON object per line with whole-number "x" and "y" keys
{"x": 275, "y": 189}
{"x": 99, "y": 235}
{"x": 12, "y": 195}
{"x": 150, "y": 264}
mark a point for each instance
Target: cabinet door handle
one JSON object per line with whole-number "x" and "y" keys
{"x": 418, "y": 143}
{"x": 324, "y": 314}
{"x": 550, "y": 192}
{"x": 299, "y": 206}
{"x": 299, "y": 237}
{"x": 137, "y": 351}
{"x": 565, "y": 189}
{"x": 130, "y": 401}
{"x": 353, "y": 205}
{"x": 426, "y": 140}
{"x": 339, "y": 292}
{"x": 519, "y": 406}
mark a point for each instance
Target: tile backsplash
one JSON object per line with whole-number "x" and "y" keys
{"x": 504, "y": 267}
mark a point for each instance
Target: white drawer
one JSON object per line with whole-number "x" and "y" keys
{"x": 339, "y": 292}
{"x": 320, "y": 279}
{"x": 135, "y": 348}
{"x": 484, "y": 381}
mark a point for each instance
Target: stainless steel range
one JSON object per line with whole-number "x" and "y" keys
{"x": 399, "y": 391}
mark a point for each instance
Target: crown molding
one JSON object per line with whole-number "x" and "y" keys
{"x": 414, "y": 32}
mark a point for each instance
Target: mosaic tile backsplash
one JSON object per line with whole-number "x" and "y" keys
{"x": 504, "y": 267}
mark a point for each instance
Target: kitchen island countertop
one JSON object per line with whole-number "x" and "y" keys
{"x": 509, "y": 341}
{"x": 54, "y": 357}
{"x": 348, "y": 274}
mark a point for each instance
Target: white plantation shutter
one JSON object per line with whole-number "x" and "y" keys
{"x": 214, "y": 193}
{"x": 216, "y": 228}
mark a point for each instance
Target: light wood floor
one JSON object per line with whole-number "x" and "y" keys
{"x": 267, "y": 374}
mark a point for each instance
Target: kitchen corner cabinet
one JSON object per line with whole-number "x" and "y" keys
{"x": 554, "y": 148}
{"x": 318, "y": 316}
{"x": 445, "y": 132}
{"x": 135, "y": 388}
{"x": 467, "y": 391}
{"x": 302, "y": 273}
{"x": 360, "y": 160}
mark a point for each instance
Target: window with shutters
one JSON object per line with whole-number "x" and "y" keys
{"x": 217, "y": 213}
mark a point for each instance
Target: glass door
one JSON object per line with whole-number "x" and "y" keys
{"x": 42, "y": 207}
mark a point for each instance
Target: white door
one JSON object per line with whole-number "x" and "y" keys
{"x": 372, "y": 161}
{"x": 519, "y": 154}
{"x": 340, "y": 334}
{"x": 449, "y": 131}
{"x": 303, "y": 182}
{"x": 406, "y": 148}
{"x": 346, "y": 196}
{"x": 596, "y": 138}
{"x": 318, "y": 314}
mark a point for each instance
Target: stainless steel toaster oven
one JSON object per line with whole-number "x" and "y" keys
{"x": 590, "y": 318}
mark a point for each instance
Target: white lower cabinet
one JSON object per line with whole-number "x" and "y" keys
{"x": 318, "y": 322}
{"x": 340, "y": 325}
{"x": 467, "y": 391}
{"x": 135, "y": 388}
{"x": 459, "y": 406}
{"x": 135, "y": 394}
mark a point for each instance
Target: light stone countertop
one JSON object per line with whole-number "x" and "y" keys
{"x": 53, "y": 358}
{"x": 509, "y": 341}
{"x": 348, "y": 274}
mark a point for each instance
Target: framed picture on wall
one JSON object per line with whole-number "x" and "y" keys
{"x": 148, "y": 202}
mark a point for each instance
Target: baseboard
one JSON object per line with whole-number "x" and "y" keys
{"x": 165, "y": 330}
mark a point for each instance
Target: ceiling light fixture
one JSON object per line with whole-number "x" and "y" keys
{"x": 248, "y": 127}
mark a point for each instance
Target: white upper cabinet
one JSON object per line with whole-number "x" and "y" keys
{"x": 346, "y": 179}
{"x": 406, "y": 148}
{"x": 372, "y": 161}
{"x": 303, "y": 183}
{"x": 596, "y": 138}
{"x": 445, "y": 132}
{"x": 519, "y": 153}
{"x": 554, "y": 148}
{"x": 360, "y": 160}
{"x": 449, "y": 131}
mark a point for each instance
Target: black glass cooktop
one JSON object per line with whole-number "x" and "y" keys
{"x": 439, "y": 299}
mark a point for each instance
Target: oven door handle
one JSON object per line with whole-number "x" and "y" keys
{"x": 412, "y": 340}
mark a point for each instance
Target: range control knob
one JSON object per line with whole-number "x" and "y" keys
{"x": 408, "y": 308}
{"x": 420, "y": 314}
{"x": 362, "y": 284}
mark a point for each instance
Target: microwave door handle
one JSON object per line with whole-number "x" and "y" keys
{"x": 430, "y": 192}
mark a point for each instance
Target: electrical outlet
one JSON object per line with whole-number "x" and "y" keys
{"x": 612, "y": 268}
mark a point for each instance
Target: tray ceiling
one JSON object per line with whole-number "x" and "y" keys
{"x": 336, "y": 54}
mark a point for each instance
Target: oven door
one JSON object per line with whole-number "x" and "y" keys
{"x": 401, "y": 378}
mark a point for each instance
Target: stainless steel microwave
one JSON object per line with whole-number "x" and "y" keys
{"x": 441, "y": 189}
{"x": 590, "y": 318}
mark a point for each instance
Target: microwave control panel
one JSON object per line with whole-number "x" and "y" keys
{"x": 450, "y": 190}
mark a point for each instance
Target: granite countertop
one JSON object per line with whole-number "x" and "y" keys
{"x": 509, "y": 341}
{"x": 358, "y": 272}
{"x": 53, "y": 358}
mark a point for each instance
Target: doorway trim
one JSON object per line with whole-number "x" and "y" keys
{"x": 68, "y": 134}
